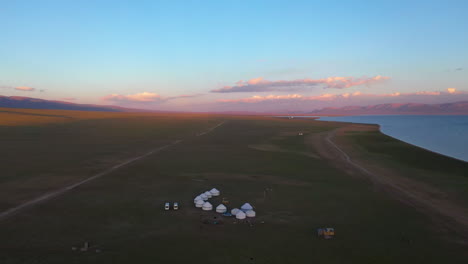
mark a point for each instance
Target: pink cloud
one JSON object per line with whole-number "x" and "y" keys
{"x": 257, "y": 98}
{"x": 144, "y": 97}
{"x": 25, "y": 88}
{"x": 331, "y": 97}
{"x": 262, "y": 85}
{"x": 323, "y": 97}
{"x": 68, "y": 98}
{"x": 256, "y": 81}
{"x": 451, "y": 90}
{"x": 427, "y": 93}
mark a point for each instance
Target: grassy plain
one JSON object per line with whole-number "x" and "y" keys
{"x": 121, "y": 213}
{"x": 448, "y": 175}
{"x": 71, "y": 145}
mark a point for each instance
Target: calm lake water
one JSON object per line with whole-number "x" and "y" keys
{"x": 447, "y": 135}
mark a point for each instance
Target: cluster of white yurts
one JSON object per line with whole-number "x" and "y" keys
{"x": 246, "y": 210}
{"x": 201, "y": 201}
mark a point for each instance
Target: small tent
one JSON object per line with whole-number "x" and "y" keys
{"x": 199, "y": 203}
{"x": 204, "y": 196}
{"x": 246, "y": 207}
{"x": 208, "y": 194}
{"x": 215, "y": 192}
{"x": 250, "y": 213}
{"x": 240, "y": 215}
{"x": 221, "y": 208}
{"x": 197, "y": 198}
{"x": 207, "y": 206}
{"x": 235, "y": 211}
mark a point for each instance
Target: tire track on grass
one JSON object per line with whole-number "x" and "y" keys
{"x": 63, "y": 190}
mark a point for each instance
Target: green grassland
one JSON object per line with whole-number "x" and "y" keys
{"x": 75, "y": 145}
{"x": 122, "y": 213}
{"x": 442, "y": 172}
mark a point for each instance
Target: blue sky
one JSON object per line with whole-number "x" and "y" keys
{"x": 88, "y": 50}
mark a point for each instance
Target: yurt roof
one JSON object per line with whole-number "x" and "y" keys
{"x": 246, "y": 206}
{"x": 221, "y": 206}
{"x": 240, "y": 214}
{"x": 250, "y": 213}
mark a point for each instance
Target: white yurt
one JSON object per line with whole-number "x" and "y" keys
{"x": 197, "y": 199}
{"x": 215, "y": 192}
{"x": 246, "y": 207}
{"x": 221, "y": 208}
{"x": 250, "y": 213}
{"x": 207, "y": 206}
{"x": 235, "y": 211}
{"x": 240, "y": 215}
{"x": 204, "y": 196}
{"x": 199, "y": 203}
{"x": 208, "y": 194}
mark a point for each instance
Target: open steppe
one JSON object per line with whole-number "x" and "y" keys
{"x": 389, "y": 202}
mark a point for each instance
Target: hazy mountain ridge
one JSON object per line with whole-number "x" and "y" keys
{"x": 36, "y": 103}
{"x": 390, "y": 108}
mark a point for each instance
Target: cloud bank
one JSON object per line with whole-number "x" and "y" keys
{"x": 144, "y": 97}
{"x": 332, "y": 97}
{"x": 262, "y": 85}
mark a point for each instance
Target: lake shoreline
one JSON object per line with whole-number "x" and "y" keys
{"x": 379, "y": 128}
{"x": 412, "y": 132}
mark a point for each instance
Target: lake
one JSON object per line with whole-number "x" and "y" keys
{"x": 447, "y": 135}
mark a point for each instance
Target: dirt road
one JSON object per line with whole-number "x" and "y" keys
{"x": 53, "y": 194}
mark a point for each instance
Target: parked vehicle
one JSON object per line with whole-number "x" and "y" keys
{"x": 167, "y": 206}
{"x": 176, "y": 206}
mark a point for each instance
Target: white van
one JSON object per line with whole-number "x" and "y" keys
{"x": 167, "y": 206}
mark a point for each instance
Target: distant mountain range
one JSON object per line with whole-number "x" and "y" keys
{"x": 457, "y": 108}
{"x": 35, "y": 103}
